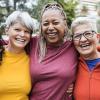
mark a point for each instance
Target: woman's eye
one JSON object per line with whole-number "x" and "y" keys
{"x": 88, "y": 33}
{"x": 45, "y": 24}
{"x": 27, "y": 32}
{"x": 77, "y": 36}
{"x": 16, "y": 29}
{"x": 55, "y": 23}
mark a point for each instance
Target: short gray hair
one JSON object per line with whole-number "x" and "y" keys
{"x": 83, "y": 21}
{"x": 22, "y": 17}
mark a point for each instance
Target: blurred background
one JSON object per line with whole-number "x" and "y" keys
{"x": 73, "y": 9}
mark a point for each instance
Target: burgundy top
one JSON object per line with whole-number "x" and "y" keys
{"x": 3, "y": 42}
{"x": 51, "y": 77}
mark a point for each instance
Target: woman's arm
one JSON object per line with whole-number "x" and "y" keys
{"x": 3, "y": 42}
{"x": 98, "y": 48}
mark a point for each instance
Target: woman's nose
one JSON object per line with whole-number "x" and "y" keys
{"x": 22, "y": 33}
{"x": 50, "y": 27}
{"x": 83, "y": 38}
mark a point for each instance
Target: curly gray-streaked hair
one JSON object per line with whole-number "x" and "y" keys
{"x": 42, "y": 42}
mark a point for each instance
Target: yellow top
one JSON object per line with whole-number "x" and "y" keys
{"x": 15, "y": 83}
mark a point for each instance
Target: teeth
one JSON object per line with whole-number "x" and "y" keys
{"x": 52, "y": 35}
{"x": 85, "y": 45}
{"x": 21, "y": 40}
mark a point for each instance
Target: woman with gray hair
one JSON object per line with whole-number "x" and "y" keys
{"x": 15, "y": 81}
{"x": 53, "y": 57}
{"x": 87, "y": 86}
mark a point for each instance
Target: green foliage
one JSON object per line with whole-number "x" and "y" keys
{"x": 98, "y": 5}
{"x": 98, "y": 25}
{"x": 35, "y": 10}
{"x": 69, "y": 8}
{"x": 3, "y": 13}
{"x": 6, "y": 8}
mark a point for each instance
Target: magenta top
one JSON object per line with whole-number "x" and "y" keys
{"x": 51, "y": 77}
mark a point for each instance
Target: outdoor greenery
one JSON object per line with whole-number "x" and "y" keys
{"x": 98, "y": 19}
{"x": 6, "y": 8}
{"x": 69, "y": 8}
{"x": 35, "y": 10}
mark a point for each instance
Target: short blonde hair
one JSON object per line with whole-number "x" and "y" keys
{"x": 83, "y": 21}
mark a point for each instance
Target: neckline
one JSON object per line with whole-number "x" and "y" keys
{"x": 14, "y": 54}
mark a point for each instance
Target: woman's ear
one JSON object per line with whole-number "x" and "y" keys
{"x": 98, "y": 38}
{"x": 98, "y": 35}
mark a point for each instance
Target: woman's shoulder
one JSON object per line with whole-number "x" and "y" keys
{"x": 98, "y": 48}
{"x": 35, "y": 37}
{"x": 3, "y": 42}
{"x": 34, "y": 40}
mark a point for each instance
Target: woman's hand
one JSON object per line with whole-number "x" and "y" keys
{"x": 70, "y": 89}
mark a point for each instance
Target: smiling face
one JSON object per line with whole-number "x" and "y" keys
{"x": 86, "y": 47}
{"x": 53, "y": 26}
{"x": 19, "y": 36}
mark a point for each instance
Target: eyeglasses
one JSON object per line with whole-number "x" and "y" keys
{"x": 86, "y": 34}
